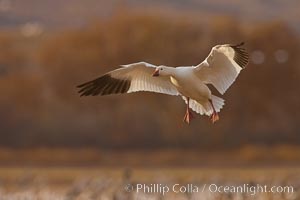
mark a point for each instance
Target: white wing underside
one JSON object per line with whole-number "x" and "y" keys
{"x": 141, "y": 78}
{"x": 127, "y": 79}
{"x": 219, "y": 68}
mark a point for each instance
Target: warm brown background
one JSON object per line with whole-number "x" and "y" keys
{"x": 49, "y": 47}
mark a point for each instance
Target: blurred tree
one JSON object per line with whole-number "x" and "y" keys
{"x": 43, "y": 108}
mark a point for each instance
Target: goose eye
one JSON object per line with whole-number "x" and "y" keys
{"x": 161, "y": 69}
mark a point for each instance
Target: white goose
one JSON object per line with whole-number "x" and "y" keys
{"x": 220, "y": 69}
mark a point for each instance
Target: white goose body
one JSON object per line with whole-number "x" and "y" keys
{"x": 189, "y": 85}
{"x": 220, "y": 69}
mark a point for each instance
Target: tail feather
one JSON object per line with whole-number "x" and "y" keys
{"x": 206, "y": 108}
{"x": 217, "y": 102}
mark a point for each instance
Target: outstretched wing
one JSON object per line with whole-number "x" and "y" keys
{"x": 222, "y": 66}
{"x": 129, "y": 78}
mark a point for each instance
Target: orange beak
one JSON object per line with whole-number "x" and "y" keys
{"x": 156, "y": 72}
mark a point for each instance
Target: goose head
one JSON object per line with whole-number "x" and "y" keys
{"x": 162, "y": 71}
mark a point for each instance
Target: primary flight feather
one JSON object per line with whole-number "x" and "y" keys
{"x": 220, "y": 68}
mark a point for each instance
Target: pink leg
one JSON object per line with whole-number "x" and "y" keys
{"x": 214, "y": 116}
{"x": 188, "y": 115}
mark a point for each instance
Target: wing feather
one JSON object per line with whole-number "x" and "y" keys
{"x": 222, "y": 66}
{"x": 127, "y": 79}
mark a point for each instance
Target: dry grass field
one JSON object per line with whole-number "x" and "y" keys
{"x": 104, "y": 183}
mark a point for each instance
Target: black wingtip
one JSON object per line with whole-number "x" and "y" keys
{"x": 241, "y": 56}
{"x": 83, "y": 84}
{"x": 104, "y": 85}
{"x": 238, "y": 45}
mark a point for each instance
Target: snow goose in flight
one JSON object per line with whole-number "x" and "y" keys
{"x": 220, "y": 68}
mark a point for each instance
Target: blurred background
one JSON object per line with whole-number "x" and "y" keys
{"x": 48, "y": 47}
